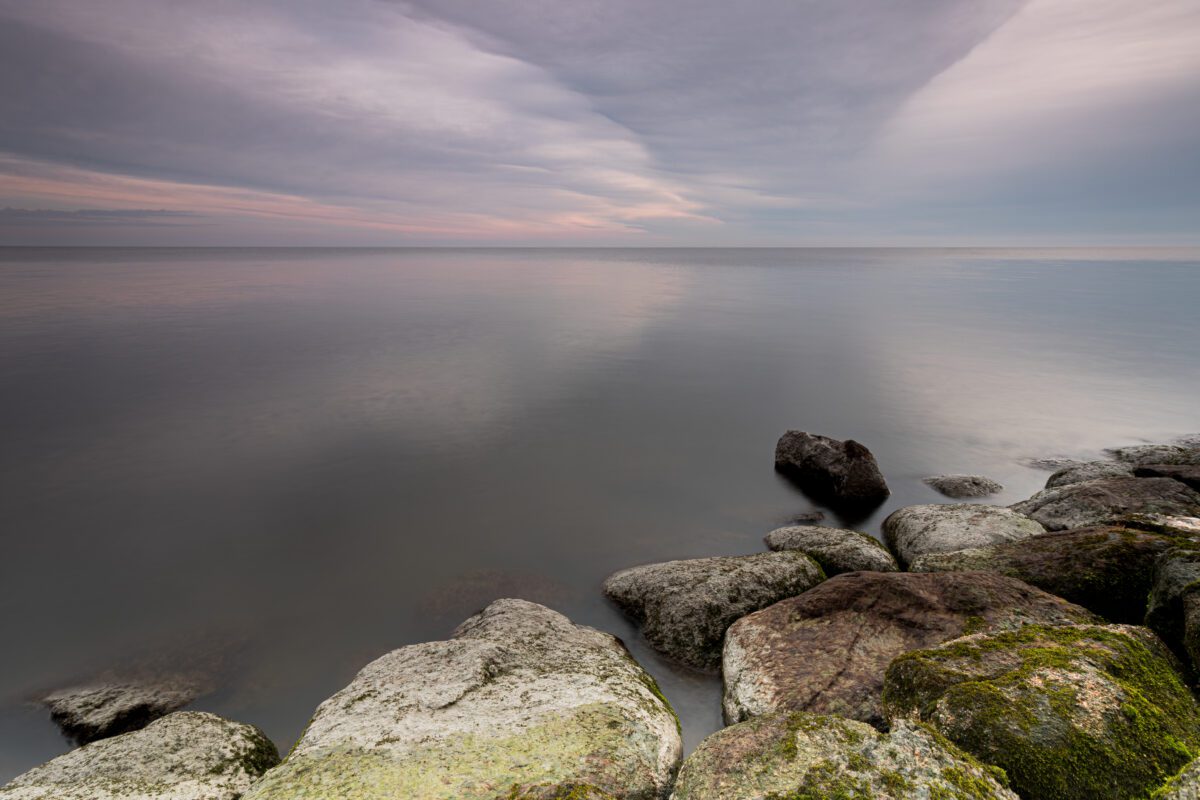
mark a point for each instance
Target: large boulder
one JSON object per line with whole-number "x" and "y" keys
{"x": 685, "y": 606}
{"x": 520, "y": 703}
{"x": 825, "y": 651}
{"x": 960, "y": 486}
{"x": 835, "y": 549}
{"x": 94, "y": 711}
{"x": 1090, "y": 712}
{"x": 913, "y": 531}
{"x": 188, "y": 755}
{"x": 1107, "y": 500}
{"x": 1089, "y": 471}
{"x": 807, "y": 756}
{"x": 841, "y": 471}
{"x": 1189, "y": 475}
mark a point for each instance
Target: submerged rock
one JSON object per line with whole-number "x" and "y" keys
{"x": 685, "y": 606}
{"x": 914, "y": 531}
{"x": 1089, "y": 471}
{"x": 843, "y": 471}
{"x": 1084, "y": 712}
{"x": 90, "y": 712}
{"x": 959, "y": 486}
{"x": 1185, "y": 474}
{"x": 804, "y": 756}
{"x": 1107, "y": 500}
{"x": 520, "y": 703}
{"x": 825, "y": 651}
{"x": 835, "y": 549}
{"x": 188, "y": 755}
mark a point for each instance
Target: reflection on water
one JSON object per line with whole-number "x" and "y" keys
{"x": 289, "y": 462}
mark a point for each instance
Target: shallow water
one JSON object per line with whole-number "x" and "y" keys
{"x": 274, "y": 465}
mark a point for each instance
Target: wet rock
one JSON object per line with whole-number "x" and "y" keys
{"x": 1187, "y": 475}
{"x": 913, "y": 531}
{"x": 90, "y": 712}
{"x": 519, "y": 703}
{"x": 1107, "y": 500}
{"x": 835, "y": 549}
{"x": 685, "y": 606}
{"x": 1070, "y": 713}
{"x": 825, "y": 651}
{"x": 802, "y": 755}
{"x": 188, "y": 755}
{"x": 1089, "y": 471}
{"x": 1144, "y": 454}
{"x": 960, "y": 486}
{"x": 842, "y": 471}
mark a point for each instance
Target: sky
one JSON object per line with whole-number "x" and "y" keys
{"x": 600, "y": 122}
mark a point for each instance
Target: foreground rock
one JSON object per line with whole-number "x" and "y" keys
{"x": 826, "y": 650}
{"x": 1089, "y": 471}
{"x": 1070, "y": 713}
{"x": 188, "y": 755}
{"x": 811, "y": 756}
{"x": 520, "y": 703}
{"x": 835, "y": 549}
{"x": 843, "y": 471}
{"x": 91, "y": 712}
{"x": 1107, "y": 500}
{"x": 1187, "y": 475}
{"x": 685, "y": 606}
{"x": 914, "y": 531}
{"x": 960, "y": 486}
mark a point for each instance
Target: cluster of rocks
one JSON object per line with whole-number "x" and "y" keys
{"x": 1045, "y": 650}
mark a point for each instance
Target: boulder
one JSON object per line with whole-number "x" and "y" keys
{"x": 1143, "y": 454}
{"x": 1089, "y": 471}
{"x": 825, "y": 651}
{"x": 837, "y": 550}
{"x": 90, "y": 712}
{"x": 1184, "y": 786}
{"x": 1089, "y": 712}
{"x": 685, "y": 606}
{"x": 188, "y": 755}
{"x": 1185, "y": 474}
{"x": 913, "y": 531}
{"x": 1173, "y": 606}
{"x": 841, "y": 471}
{"x": 959, "y": 486}
{"x": 804, "y": 756}
{"x": 520, "y": 703}
{"x": 1107, "y": 500}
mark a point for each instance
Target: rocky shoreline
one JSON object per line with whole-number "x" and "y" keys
{"x": 1045, "y": 650}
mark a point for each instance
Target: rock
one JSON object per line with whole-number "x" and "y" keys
{"x": 188, "y": 755}
{"x": 1089, "y": 471}
{"x": 825, "y": 651}
{"x": 88, "y": 713}
{"x": 913, "y": 531}
{"x": 1049, "y": 464}
{"x": 1140, "y": 455}
{"x": 837, "y": 550}
{"x": 958, "y": 486}
{"x": 685, "y": 606}
{"x": 1173, "y": 606}
{"x": 1187, "y": 475}
{"x": 1070, "y": 713}
{"x": 1184, "y": 786}
{"x": 1107, "y": 500}
{"x": 519, "y": 703}
{"x": 805, "y": 756}
{"x": 842, "y": 471}
{"x": 807, "y": 517}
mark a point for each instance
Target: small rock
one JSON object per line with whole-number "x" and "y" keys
{"x": 1089, "y": 471}
{"x": 88, "y": 713}
{"x": 959, "y": 486}
{"x": 1049, "y": 464}
{"x": 913, "y": 531}
{"x": 685, "y": 606}
{"x": 1140, "y": 455}
{"x": 837, "y": 550}
{"x": 812, "y": 756}
{"x": 842, "y": 471}
{"x": 807, "y": 517}
{"x": 1107, "y": 500}
{"x": 1187, "y": 475}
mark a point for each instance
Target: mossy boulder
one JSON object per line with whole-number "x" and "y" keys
{"x": 1107, "y": 500}
{"x": 913, "y": 531}
{"x": 188, "y": 755}
{"x": 521, "y": 703}
{"x": 1089, "y": 712}
{"x": 837, "y": 550}
{"x": 686, "y": 606}
{"x": 800, "y": 756}
{"x": 1184, "y": 786}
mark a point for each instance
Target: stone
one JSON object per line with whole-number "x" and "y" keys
{"x": 1143, "y": 454}
{"x": 913, "y": 531}
{"x": 960, "y": 486}
{"x": 812, "y": 757}
{"x": 1088, "y": 712}
{"x": 520, "y": 703}
{"x": 1089, "y": 471}
{"x": 1184, "y": 786}
{"x": 188, "y": 755}
{"x": 825, "y": 651}
{"x": 1173, "y": 605}
{"x": 829, "y": 468}
{"x": 1107, "y": 500}
{"x": 1185, "y": 474}
{"x": 90, "y": 712}
{"x": 837, "y": 550}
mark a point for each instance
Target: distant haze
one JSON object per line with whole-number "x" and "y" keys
{"x": 604, "y": 122}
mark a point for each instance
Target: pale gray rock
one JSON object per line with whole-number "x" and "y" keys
{"x": 521, "y": 702}
{"x": 841, "y": 471}
{"x": 89, "y": 712}
{"x": 1089, "y": 471}
{"x": 914, "y": 531}
{"x": 1108, "y": 500}
{"x": 188, "y": 755}
{"x": 837, "y": 550}
{"x": 685, "y": 606}
{"x": 960, "y": 486}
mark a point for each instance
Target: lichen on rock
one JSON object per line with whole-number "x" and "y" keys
{"x": 914, "y": 531}
{"x": 837, "y": 550}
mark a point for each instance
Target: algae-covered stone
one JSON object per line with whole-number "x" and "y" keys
{"x": 825, "y": 651}
{"x": 1089, "y": 712}
{"x": 1108, "y": 500}
{"x": 520, "y": 703}
{"x": 960, "y": 486}
{"x": 835, "y": 549}
{"x": 800, "y": 756}
{"x": 1089, "y": 471}
{"x": 1184, "y": 786}
{"x": 913, "y": 531}
{"x": 188, "y": 755}
{"x": 685, "y": 606}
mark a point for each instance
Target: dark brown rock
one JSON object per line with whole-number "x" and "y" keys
{"x": 1187, "y": 474}
{"x": 842, "y": 471}
{"x": 1107, "y": 500}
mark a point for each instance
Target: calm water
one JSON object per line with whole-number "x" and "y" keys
{"x": 277, "y": 465}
